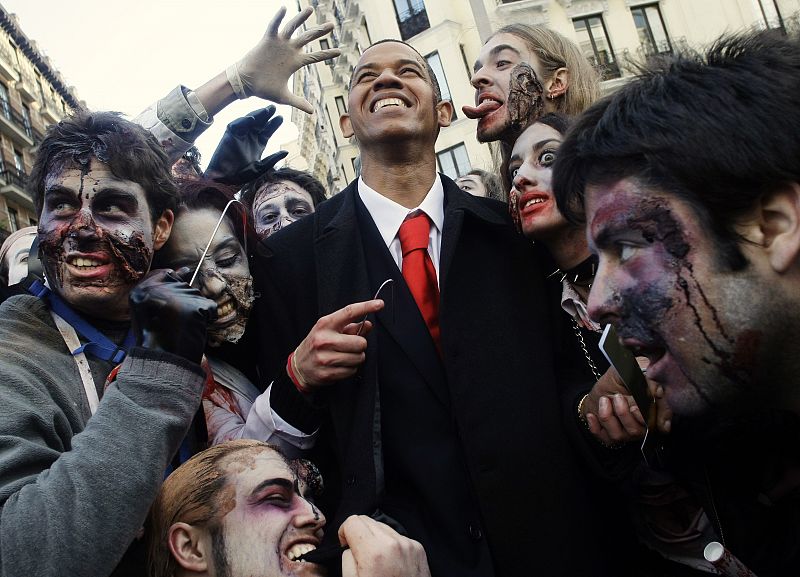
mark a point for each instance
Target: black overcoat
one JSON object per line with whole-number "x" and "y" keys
{"x": 495, "y": 382}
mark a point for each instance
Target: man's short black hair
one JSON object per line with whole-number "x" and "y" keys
{"x": 129, "y": 150}
{"x": 717, "y": 130}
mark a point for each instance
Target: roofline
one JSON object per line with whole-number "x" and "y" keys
{"x": 36, "y": 58}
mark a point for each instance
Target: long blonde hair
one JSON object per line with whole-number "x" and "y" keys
{"x": 554, "y": 51}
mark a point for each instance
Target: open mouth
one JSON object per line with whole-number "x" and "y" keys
{"x": 486, "y": 105}
{"x": 387, "y": 102}
{"x": 652, "y": 351}
{"x": 88, "y": 266}
{"x": 298, "y": 550}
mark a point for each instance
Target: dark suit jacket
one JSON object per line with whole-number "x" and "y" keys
{"x": 494, "y": 386}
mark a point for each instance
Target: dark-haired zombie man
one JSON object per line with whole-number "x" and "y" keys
{"x": 697, "y": 226}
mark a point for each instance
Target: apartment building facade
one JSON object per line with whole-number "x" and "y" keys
{"x": 450, "y": 33}
{"x": 33, "y": 95}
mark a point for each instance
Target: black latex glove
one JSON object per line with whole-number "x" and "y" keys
{"x": 171, "y": 316}
{"x": 237, "y": 159}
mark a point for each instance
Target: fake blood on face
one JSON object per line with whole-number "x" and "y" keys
{"x": 96, "y": 236}
{"x": 664, "y": 287}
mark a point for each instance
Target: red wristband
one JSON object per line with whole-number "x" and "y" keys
{"x": 290, "y": 371}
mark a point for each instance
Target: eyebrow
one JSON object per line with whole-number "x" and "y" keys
{"x": 399, "y": 63}
{"x": 494, "y": 52}
{"x": 276, "y": 482}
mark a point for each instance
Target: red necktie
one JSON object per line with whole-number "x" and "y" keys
{"x": 418, "y": 270}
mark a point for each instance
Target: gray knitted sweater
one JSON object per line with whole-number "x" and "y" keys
{"x": 74, "y": 492}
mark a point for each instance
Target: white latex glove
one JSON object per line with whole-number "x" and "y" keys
{"x": 265, "y": 69}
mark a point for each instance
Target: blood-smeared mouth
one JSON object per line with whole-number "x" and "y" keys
{"x": 532, "y": 202}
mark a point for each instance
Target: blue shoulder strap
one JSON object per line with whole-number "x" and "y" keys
{"x": 98, "y": 345}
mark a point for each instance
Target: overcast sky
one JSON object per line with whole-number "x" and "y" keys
{"x": 123, "y": 55}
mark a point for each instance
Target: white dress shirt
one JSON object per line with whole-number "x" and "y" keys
{"x": 388, "y": 216}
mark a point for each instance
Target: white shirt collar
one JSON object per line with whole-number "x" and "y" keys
{"x": 389, "y": 215}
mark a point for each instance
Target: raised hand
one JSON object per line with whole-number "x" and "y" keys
{"x": 265, "y": 70}
{"x": 237, "y": 159}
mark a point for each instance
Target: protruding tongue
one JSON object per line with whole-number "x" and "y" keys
{"x": 481, "y": 110}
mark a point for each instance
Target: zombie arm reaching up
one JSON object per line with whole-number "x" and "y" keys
{"x": 178, "y": 119}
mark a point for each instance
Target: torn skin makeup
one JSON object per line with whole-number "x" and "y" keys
{"x": 240, "y": 290}
{"x": 646, "y": 306}
{"x": 95, "y": 235}
{"x": 525, "y": 100}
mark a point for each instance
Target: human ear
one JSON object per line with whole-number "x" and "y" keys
{"x": 162, "y": 229}
{"x": 444, "y": 113}
{"x": 558, "y": 83}
{"x": 190, "y": 546}
{"x": 780, "y": 226}
{"x": 345, "y": 125}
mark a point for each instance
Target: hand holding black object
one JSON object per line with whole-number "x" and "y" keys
{"x": 171, "y": 316}
{"x": 237, "y": 159}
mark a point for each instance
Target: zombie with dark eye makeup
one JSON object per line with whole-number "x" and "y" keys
{"x": 241, "y": 509}
{"x": 279, "y": 198}
{"x": 696, "y": 223}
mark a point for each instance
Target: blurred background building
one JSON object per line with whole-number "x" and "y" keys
{"x": 33, "y": 95}
{"x": 450, "y": 33}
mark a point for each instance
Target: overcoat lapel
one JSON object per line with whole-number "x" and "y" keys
{"x": 401, "y": 318}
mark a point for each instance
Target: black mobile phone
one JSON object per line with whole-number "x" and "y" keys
{"x": 625, "y": 364}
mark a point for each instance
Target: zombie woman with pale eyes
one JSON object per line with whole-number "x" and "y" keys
{"x": 223, "y": 276}
{"x": 278, "y": 198}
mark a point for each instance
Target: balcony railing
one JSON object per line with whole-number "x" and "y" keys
{"x": 16, "y": 118}
{"x": 14, "y": 177}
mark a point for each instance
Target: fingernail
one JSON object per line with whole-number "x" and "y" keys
{"x": 603, "y": 403}
{"x": 667, "y": 426}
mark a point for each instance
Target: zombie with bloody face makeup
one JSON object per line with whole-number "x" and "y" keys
{"x": 241, "y": 509}
{"x": 521, "y": 73}
{"x": 695, "y": 222}
{"x": 86, "y": 440}
{"x": 278, "y": 198}
{"x": 230, "y": 401}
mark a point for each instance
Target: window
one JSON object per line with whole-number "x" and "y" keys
{"x": 13, "y": 219}
{"x": 412, "y": 18}
{"x": 324, "y": 44}
{"x": 19, "y": 164}
{"x": 26, "y": 120}
{"x": 366, "y": 31}
{"x": 340, "y": 105}
{"x": 653, "y": 37}
{"x": 5, "y": 107}
{"x": 333, "y": 129}
{"x": 436, "y": 65}
{"x": 454, "y": 162}
{"x": 770, "y": 13}
{"x": 595, "y": 45}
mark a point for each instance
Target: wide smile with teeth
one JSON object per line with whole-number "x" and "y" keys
{"x": 85, "y": 262}
{"x": 298, "y": 550}
{"x": 384, "y": 102}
